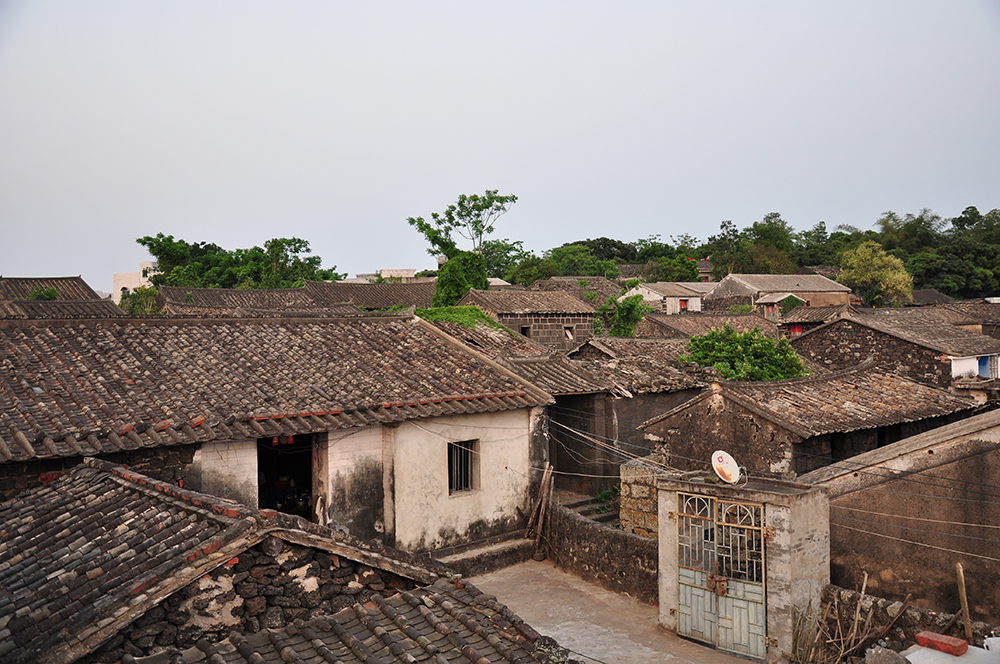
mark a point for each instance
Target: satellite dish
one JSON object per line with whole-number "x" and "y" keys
{"x": 725, "y": 467}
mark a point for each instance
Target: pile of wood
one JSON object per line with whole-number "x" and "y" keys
{"x": 536, "y": 521}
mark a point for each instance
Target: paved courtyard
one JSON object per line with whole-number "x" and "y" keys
{"x": 589, "y": 620}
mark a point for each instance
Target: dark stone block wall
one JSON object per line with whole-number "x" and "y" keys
{"x": 549, "y": 329}
{"x": 619, "y": 561}
{"x": 844, "y": 344}
{"x": 267, "y": 586}
{"x": 162, "y": 463}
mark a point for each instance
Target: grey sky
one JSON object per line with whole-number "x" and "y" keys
{"x": 236, "y": 122}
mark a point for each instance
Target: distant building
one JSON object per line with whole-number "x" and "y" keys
{"x": 126, "y": 282}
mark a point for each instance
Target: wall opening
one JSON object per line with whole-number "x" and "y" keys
{"x": 463, "y": 466}
{"x": 285, "y": 474}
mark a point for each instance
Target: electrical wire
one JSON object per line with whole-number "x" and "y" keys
{"x": 914, "y": 518}
{"x": 919, "y": 530}
{"x": 905, "y": 541}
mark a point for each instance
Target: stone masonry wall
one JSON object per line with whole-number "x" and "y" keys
{"x": 548, "y": 329}
{"x": 619, "y": 561}
{"x": 267, "y": 586}
{"x": 638, "y": 507}
{"x": 161, "y": 463}
{"x": 844, "y": 344}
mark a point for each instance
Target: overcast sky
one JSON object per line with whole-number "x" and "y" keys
{"x": 236, "y": 122}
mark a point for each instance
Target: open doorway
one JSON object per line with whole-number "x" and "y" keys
{"x": 285, "y": 474}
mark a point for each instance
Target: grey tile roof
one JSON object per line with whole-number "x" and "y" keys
{"x": 68, "y": 288}
{"x": 85, "y": 555}
{"x": 539, "y": 365}
{"x": 941, "y": 337}
{"x": 929, "y": 296}
{"x": 231, "y": 298}
{"x": 858, "y": 398}
{"x": 515, "y": 302}
{"x": 701, "y": 287}
{"x": 448, "y": 621}
{"x": 638, "y": 365}
{"x": 804, "y": 314}
{"x": 42, "y": 309}
{"x": 955, "y": 313}
{"x": 70, "y": 389}
{"x": 797, "y": 283}
{"x": 371, "y": 296}
{"x": 603, "y": 287}
{"x": 196, "y": 311}
{"x": 671, "y": 289}
{"x": 695, "y": 324}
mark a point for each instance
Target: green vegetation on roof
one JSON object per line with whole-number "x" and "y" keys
{"x": 465, "y": 316}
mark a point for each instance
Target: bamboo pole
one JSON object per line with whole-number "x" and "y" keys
{"x": 965, "y": 602}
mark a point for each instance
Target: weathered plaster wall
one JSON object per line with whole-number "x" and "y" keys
{"x": 356, "y": 487}
{"x": 427, "y": 517}
{"x": 843, "y": 344}
{"x": 690, "y": 436}
{"x": 268, "y": 586}
{"x": 226, "y": 470}
{"x": 618, "y": 561}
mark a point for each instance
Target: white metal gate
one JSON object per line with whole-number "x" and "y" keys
{"x": 720, "y": 569}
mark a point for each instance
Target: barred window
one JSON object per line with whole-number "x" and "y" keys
{"x": 463, "y": 466}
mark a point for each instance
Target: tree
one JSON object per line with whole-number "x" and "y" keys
{"x": 281, "y": 263}
{"x": 745, "y": 355}
{"x": 607, "y": 249}
{"x": 40, "y": 293}
{"x": 502, "y": 256}
{"x": 621, "y": 318}
{"x": 472, "y": 217}
{"x": 141, "y": 301}
{"x": 878, "y": 278}
{"x": 771, "y": 231}
{"x": 461, "y": 272}
{"x": 531, "y": 269}
{"x": 680, "y": 268}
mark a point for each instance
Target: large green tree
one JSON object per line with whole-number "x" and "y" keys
{"x": 471, "y": 216}
{"x": 878, "y": 278}
{"x": 745, "y": 355}
{"x": 280, "y": 263}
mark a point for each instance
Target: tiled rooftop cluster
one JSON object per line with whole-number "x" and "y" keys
{"x": 66, "y": 309}
{"x": 371, "y": 296}
{"x": 937, "y": 335}
{"x": 449, "y": 621}
{"x": 314, "y": 296}
{"x": 196, "y": 311}
{"x": 539, "y": 365}
{"x": 638, "y": 365}
{"x": 67, "y": 288}
{"x": 860, "y": 398}
{"x": 231, "y": 298}
{"x": 698, "y": 324}
{"x": 579, "y": 286}
{"x": 81, "y": 389}
{"x": 515, "y": 302}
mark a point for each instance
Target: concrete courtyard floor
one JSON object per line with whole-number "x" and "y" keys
{"x": 589, "y": 620}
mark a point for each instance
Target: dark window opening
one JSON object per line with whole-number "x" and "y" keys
{"x": 285, "y": 474}
{"x": 526, "y": 331}
{"x": 462, "y": 466}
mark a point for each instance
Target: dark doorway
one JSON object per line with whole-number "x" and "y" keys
{"x": 285, "y": 474}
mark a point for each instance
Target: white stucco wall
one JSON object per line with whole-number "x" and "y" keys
{"x": 964, "y": 366}
{"x": 227, "y": 470}
{"x": 426, "y": 516}
{"x": 355, "y": 496}
{"x": 130, "y": 280}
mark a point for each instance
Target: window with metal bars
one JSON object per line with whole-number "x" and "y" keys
{"x": 463, "y": 466}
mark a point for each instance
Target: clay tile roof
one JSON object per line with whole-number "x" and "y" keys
{"x": 87, "y": 554}
{"x": 231, "y": 298}
{"x": 858, "y": 398}
{"x": 539, "y": 365}
{"x": 671, "y": 289}
{"x": 195, "y": 311}
{"x": 638, "y": 365}
{"x": 929, "y": 296}
{"x": 802, "y": 314}
{"x": 71, "y": 389}
{"x": 694, "y": 324}
{"x": 42, "y": 309}
{"x": 372, "y": 296}
{"x": 700, "y": 287}
{"x": 68, "y": 288}
{"x": 448, "y": 621}
{"x": 630, "y": 270}
{"x": 603, "y": 287}
{"x": 938, "y": 336}
{"x": 955, "y": 313}
{"x": 799, "y": 283}
{"x": 513, "y": 302}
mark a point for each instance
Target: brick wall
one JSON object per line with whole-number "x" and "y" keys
{"x": 845, "y": 344}
{"x": 268, "y": 586}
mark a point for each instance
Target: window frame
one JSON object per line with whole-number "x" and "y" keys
{"x": 462, "y": 466}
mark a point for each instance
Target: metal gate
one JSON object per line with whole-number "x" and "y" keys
{"x": 720, "y": 569}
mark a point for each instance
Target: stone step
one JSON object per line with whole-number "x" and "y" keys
{"x": 490, "y": 557}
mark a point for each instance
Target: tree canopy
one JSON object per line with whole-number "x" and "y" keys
{"x": 745, "y": 355}
{"x": 471, "y": 216}
{"x": 878, "y": 278}
{"x": 281, "y": 263}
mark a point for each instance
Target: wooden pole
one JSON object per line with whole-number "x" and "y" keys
{"x": 538, "y": 503}
{"x": 965, "y": 602}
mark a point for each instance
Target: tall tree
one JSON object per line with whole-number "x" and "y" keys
{"x": 502, "y": 256}
{"x": 745, "y": 355}
{"x": 878, "y": 278}
{"x": 470, "y": 216}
